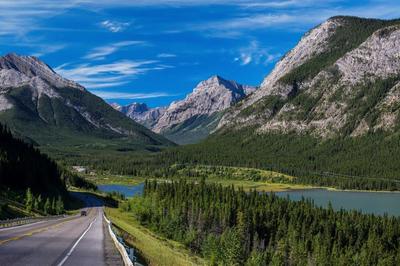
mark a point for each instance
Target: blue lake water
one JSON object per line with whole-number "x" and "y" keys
{"x": 128, "y": 191}
{"x": 367, "y": 202}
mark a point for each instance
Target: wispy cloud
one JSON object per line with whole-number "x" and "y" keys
{"x": 101, "y": 52}
{"x": 22, "y": 16}
{"x": 256, "y": 54}
{"x": 48, "y": 49}
{"x": 108, "y": 75}
{"x": 107, "y": 95}
{"x": 115, "y": 26}
{"x": 235, "y": 27}
{"x": 289, "y": 15}
{"x": 166, "y": 55}
{"x": 283, "y": 4}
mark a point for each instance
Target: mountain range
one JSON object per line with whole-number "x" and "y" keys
{"x": 44, "y": 108}
{"x": 330, "y": 105}
{"x": 193, "y": 118}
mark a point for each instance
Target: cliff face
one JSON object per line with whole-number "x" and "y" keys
{"x": 341, "y": 79}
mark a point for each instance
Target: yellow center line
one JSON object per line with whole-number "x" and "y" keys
{"x": 30, "y": 233}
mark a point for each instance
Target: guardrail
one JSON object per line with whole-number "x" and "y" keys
{"x": 26, "y": 220}
{"x": 127, "y": 253}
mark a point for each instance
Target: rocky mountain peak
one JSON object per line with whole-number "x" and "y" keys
{"x": 17, "y": 70}
{"x": 212, "y": 95}
{"x": 218, "y": 82}
{"x": 140, "y": 112}
{"x": 135, "y": 107}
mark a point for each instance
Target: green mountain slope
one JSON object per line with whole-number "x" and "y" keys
{"x": 40, "y": 106}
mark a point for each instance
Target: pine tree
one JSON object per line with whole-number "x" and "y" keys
{"x": 29, "y": 199}
{"x": 35, "y": 204}
{"x": 39, "y": 202}
{"x": 232, "y": 246}
{"x": 47, "y": 206}
{"x": 59, "y": 205}
{"x": 53, "y": 205}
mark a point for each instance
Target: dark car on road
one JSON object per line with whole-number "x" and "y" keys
{"x": 83, "y": 213}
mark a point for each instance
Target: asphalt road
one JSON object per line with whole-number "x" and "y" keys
{"x": 77, "y": 240}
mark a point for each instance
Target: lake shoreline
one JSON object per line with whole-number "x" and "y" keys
{"x": 246, "y": 184}
{"x": 368, "y": 202}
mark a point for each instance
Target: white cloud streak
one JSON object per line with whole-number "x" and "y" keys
{"x": 107, "y": 95}
{"x": 283, "y": 4}
{"x": 256, "y": 54}
{"x": 108, "y": 75}
{"x": 101, "y": 52}
{"x": 166, "y": 55}
{"x": 236, "y": 27}
{"x": 48, "y": 49}
{"x": 115, "y": 26}
{"x": 17, "y": 17}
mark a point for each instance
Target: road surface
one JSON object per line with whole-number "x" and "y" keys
{"x": 77, "y": 240}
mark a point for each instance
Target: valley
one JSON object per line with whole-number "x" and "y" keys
{"x": 303, "y": 169}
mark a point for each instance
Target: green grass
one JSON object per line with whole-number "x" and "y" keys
{"x": 156, "y": 250}
{"x": 230, "y": 173}
{"x": 239, "y": 177}
{"x": 259, "y": 185}
{"x": 105, "y": 179}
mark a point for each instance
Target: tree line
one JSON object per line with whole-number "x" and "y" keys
{"x": 232, "y": 227}
{"x": 46, "y": 205}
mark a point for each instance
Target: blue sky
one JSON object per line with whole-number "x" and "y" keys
{"x": 156, "y": 51}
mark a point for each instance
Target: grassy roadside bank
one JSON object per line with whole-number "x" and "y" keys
{"x": 158, "y": 251}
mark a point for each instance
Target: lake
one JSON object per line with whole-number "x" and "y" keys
{"x": 127, "y": 190}
{"x": 366, "y": 202}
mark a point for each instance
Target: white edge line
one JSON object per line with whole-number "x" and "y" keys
{"x": 76, "y": 243}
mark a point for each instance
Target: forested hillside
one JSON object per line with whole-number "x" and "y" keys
{"x": 366, "y": 162}
{"x": 230, "y": 227}
{"x": 23, "y": 166}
